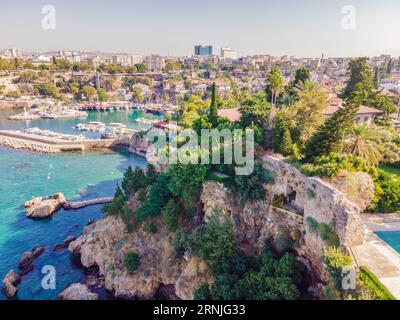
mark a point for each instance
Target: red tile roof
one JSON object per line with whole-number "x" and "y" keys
{"x": 233, "y": 115}
{"x": 363, "y": 110}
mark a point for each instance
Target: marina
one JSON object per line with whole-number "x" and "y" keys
{"x": 42, "y": 113}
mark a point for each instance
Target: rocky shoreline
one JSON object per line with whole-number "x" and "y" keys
{"x": 21, "y": 145}
{"x": 104, "y": 244}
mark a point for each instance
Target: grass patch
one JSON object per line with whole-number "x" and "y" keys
{"x": 391, "y": 170}
{"x": 374, "y": 285}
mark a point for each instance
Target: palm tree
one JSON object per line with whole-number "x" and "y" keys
{"x": 361, "y": 142}
{"x": 276, "y": 82}
{"x": 307, "y": 86}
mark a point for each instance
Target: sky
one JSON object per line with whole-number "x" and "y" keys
{"x": 304, "y": 28}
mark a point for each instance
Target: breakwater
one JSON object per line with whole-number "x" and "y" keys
{"x": 33, "y": 142}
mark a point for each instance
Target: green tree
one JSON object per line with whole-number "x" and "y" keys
{"x": 202, "y": 292}
{"x": 102, "y": 95}
{"x": 302, "y": 75}
{"x": 88, "y": 92}
{"x": 287, "y": 143}
{"x": 137, "y": 95}
{"x": 360, "y": 76}
{"x": 361, "y": 142}
{"x": 306, "y": 115}
{"x": 214, "y": 107}
{"x": 276, "y": 83}
{"x": 214, "y": 242}
{"x": 255, "y": 111}
{"x": 330, "y": 137}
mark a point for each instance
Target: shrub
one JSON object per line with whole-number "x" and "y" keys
{"x": 131, "y": 261}
{"x": 327, "y": 234}
{"x": 387, "y": 193}
{"x": 372, "y": 283}
{"x": 329, "y": 165}
{"x": 150, "y": 227}
{"x": 312, "y": 224}
{"x": 310, "y": 194}
{"x": 296, "y": 234}
{"x": 335, "y": 261}
{"x": 181, "y": 242}
{"x": 13, "y": 94}
{"x": 325, "y": 231}
{"x": 170, "y": 215}
{"x": 251, "y": 187}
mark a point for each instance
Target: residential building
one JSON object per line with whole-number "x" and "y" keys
{"x": 365, "y": 115}
{"x": 155, "y": 62}
{"x": 126, "y": 59}
{"x": 228, "y": 53}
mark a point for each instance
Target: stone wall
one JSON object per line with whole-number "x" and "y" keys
{"x": 311, "y": 197}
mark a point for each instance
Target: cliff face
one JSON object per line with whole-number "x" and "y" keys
{"x": 105, "y": 243}
{"x": 310, "y": 197}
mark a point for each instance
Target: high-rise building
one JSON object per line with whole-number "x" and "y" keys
{"x": 228, "y": 53}
{"x": 203, "y": 50}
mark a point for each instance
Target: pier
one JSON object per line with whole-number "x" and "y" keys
{"x": 74, "y": 205}
{"x": 34, "y": 142}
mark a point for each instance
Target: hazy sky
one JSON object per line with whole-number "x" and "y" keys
{"x": 298, "y": 27}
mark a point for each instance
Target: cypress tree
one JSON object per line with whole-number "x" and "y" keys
{"x": 214, "y": 107}
{"x": 287, "y": 143}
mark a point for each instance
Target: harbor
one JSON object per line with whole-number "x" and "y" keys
{"x": 49, "y": 113}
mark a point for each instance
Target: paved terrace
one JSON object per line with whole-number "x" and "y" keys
{"x": 378, "y": 256}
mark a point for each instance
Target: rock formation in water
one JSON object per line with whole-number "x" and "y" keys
{"x": 10, "y": 280}
{"x": 78, "y": 291}
{"x": 39, "y": 208}
{"x": 26, "y": 262}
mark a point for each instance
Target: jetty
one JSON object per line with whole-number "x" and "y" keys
{"x": 74, "y": 205}
{"x": 50, "y": 144}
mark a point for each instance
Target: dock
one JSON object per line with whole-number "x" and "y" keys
{"x": 74, "y": 205}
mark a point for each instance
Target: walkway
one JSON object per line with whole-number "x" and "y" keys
{"x": 82, "y": 204}
{"x": 376, "y": 255}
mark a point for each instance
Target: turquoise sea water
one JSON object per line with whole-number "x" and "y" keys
{"x": 24, "y": 175}
{"x": 392, "y": 238}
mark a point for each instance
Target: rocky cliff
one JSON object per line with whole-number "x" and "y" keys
{"x": 309, "y": 198}
{"x": 105, "y": 243}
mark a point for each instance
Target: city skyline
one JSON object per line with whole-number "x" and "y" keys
{"x": 301, "y": 29}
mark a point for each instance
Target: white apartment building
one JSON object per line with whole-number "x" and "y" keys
{"x": 126, "y": 59}
{"x": 155, "y": 62}
{"x": 12, "y": 53}
{"x": 228, "y": 53}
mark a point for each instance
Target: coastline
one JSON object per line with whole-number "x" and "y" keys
{"x": 71, "y": 222}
